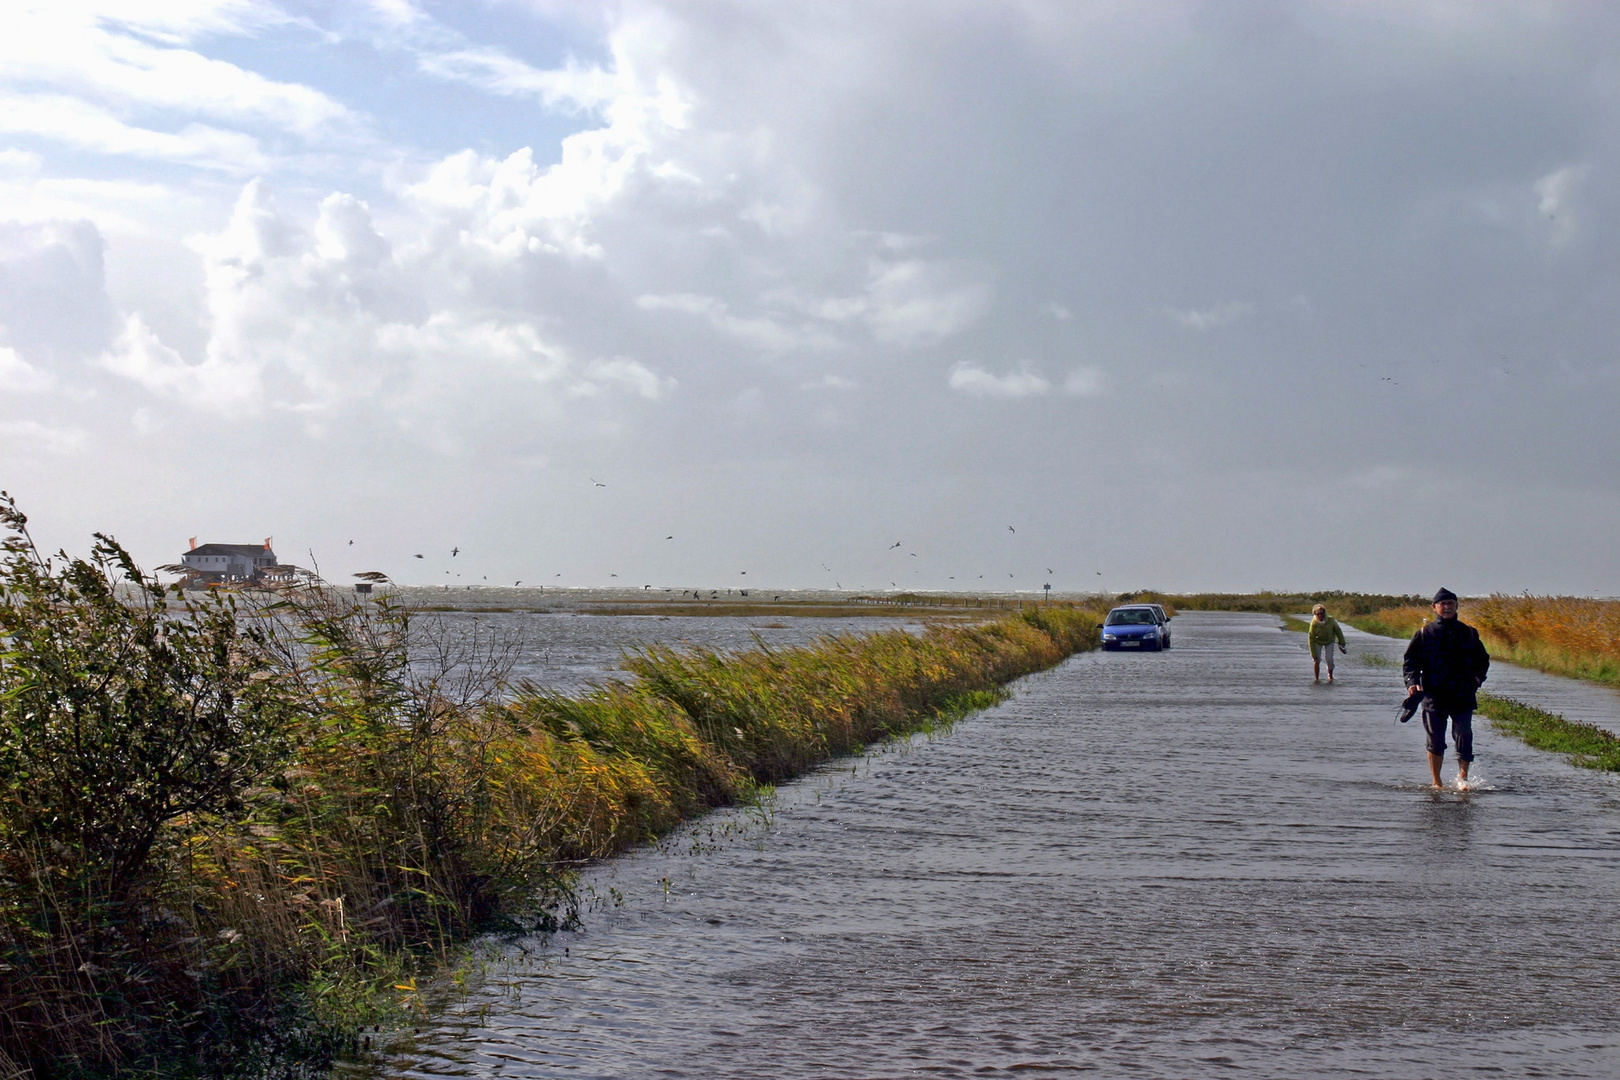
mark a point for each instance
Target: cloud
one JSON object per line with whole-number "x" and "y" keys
{"x": 1555, "y": 201}
{"x": 1210, "y": 318}
{"x": 830, "y": 382}
{"x": 1058, "y": 312}
{"x": 85, "y": 126}
{"x": 25, "y": 435}
{"x": 78, "y": 74}
{"x": 975, "y": 381}
{"x": 19, "y": 377}
{"x": 1085, "y": 382}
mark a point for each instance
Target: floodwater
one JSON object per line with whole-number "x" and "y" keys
{"x": 1160, "y": 865}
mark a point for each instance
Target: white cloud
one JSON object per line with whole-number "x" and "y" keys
{"x": 1211, "y": 318}
{"x": 830, "y": 382}
{"x": 974, "y": 380}
{"x": 22, "y": 436}
{"x": 757, "y": 331}
{"x": 20, "y": 377}
{"x": 1555, "y": 202}
{"x": 78, "y": 73}
{"x": 915, "y": 303}
{"x": 1085, "y": 382}
{"x": 80, "y": 124}
{"x": 215, "y": 384}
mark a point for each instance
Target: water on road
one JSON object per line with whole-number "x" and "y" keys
{"x": 1161, "y": 865}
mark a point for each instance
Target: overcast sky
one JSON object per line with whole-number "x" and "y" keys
{"x": 1183, "y": 295}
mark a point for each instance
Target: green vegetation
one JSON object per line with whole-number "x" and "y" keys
{"x": 1395, "y": 622}
{"x": 227, "y": 821}
{"x": 1585, "y": 745}
{"x": 1296, "y": 625}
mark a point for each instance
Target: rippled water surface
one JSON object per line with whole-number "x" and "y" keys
{"x": 1164, "y": 865}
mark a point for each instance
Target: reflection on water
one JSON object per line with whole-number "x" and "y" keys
{"x": 1162, "y": 864}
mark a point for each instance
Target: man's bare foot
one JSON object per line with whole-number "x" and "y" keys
{"x": 1330, "y": 678}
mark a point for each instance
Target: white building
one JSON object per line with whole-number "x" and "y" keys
{"x": 228, "y": 562}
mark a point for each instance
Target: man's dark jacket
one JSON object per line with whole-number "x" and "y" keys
{"x": 1447, "y": 659}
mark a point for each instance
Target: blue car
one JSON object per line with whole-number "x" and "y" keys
{"x": 1136, "y": 626}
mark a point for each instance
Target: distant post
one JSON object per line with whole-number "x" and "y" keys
{"x": 1048, "y": 588}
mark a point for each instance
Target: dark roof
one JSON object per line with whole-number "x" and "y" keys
{"x": 246, "y": 551}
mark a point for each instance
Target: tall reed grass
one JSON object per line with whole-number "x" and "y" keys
{"x": 1563, "y": 635}
{"x": 226, "y": 821}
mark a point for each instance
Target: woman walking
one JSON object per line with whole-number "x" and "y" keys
{"x": 1323, "y": 634}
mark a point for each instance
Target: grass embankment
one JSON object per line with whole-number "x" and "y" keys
{"x": 221, "y": 824}
{"x": 1585, "y": 745}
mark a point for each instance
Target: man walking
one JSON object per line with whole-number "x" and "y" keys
{"x": 1446, "y": 662}
{"x": 1323, "y": 632}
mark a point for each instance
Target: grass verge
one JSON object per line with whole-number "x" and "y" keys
{"x": 1585, "y": 745}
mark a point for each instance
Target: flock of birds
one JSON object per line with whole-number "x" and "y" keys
{"x": 455, "y": 552}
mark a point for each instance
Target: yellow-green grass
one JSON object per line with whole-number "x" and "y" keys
{"x": 389, "y": 802}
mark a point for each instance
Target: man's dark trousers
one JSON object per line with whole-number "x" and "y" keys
{"x": 1435, "y": 715}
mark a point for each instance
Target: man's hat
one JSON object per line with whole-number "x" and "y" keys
{"x": 1444, "y": 594}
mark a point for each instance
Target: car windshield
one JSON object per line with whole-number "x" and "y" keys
{"x": 1131, "y": 617}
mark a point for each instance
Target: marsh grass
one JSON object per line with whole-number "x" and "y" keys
{"x": 1562, "y": 635}
{"x": 1294, "y": 624}
{"x": 1559, "y": 634}
{"x": 1585, "y": 745}
{"x": 1341, "y": 605}
{"x": 232, "y": 822}
{"x": 1395, "y": 622}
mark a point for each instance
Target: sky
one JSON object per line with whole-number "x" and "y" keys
{"x": 924, "y": 294}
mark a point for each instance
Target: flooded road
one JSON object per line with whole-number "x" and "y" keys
{"x": 1162, "y": 865}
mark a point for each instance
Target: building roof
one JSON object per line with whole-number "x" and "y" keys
{"x": 246, "y": 551}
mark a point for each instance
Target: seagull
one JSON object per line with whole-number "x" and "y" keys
{"x": 1011, "y": 529}
{"x": 454, "y": 552}
{"x": 913, "y": 554}
{"x": 613, "y": 575}
{"x": 419, "y": 556}
{"x": 597, "y": 482}
{"x": 894, "y": 545}
{"x": 351, "y": 543}
{"x": 515, "y": 584}
{"x": 669, "y": 538}
{"x": 1048, "y": 569}
{"x": 742, "y": 571}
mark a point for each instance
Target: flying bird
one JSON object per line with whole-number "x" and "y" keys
{"x": 351, "y": 543}
{"x": 515, "y": 584}
{"x": 1011, "y": 529}
{"x": 1048, "y": 569}
{"x": 454, "y": 552}
{"x": 613, "y": 575}
{"x": 595, "y": 481}
{"x": 419, "y": 556}
{"x": 669, "y": 538}
{"x": 894, "y": 545}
